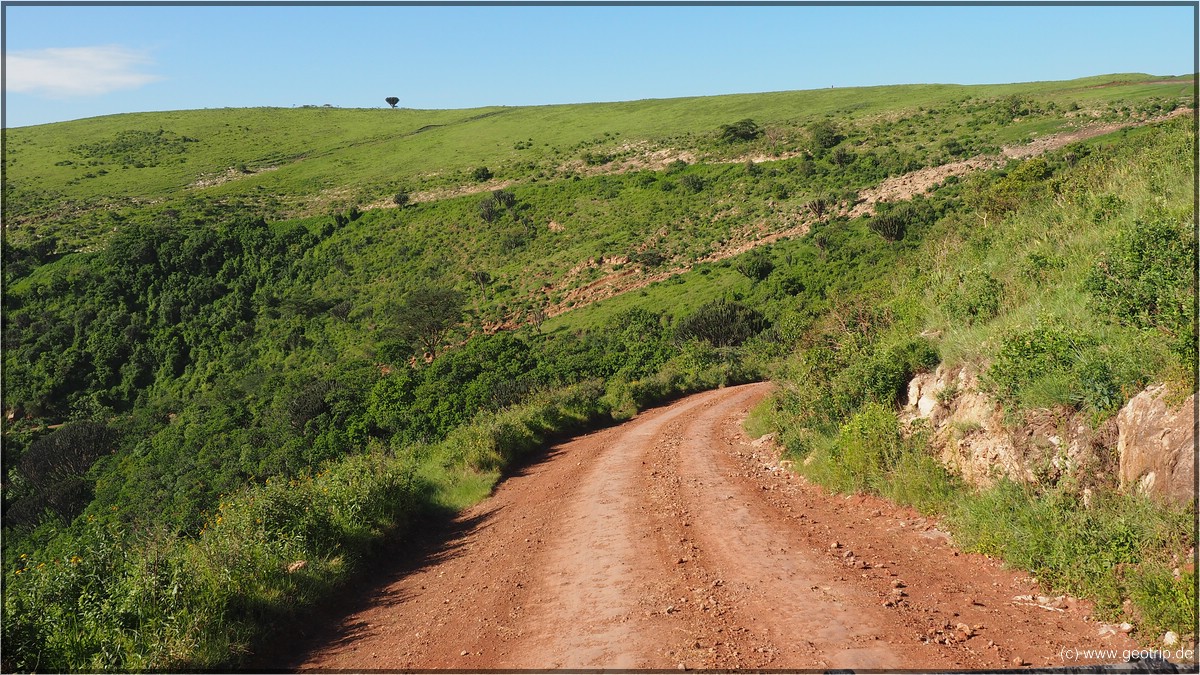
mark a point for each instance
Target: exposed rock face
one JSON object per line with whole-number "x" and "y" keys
{"x": 974, "y": 442}
{"x": 967, "y": 426}
{"x": 1157, "y": 446}
{"x": 1155, "y": 441}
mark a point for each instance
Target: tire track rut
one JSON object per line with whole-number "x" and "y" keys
{"x": 674, "y": 541}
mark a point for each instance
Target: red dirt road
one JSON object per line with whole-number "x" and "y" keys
{"x": 674, "y": 540}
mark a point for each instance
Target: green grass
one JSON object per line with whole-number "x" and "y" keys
{"x": 1117, "y": 548}
{"x": 303, "y": 160}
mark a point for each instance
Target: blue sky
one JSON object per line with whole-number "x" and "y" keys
{"x": 70, "y": 62}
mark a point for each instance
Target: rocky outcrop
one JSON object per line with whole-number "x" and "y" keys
{"x": 1157, "y": 446}
{"x": 967, "y": 426}
{"x": 972, "y": 438}
{"x": 1154, "y": 441}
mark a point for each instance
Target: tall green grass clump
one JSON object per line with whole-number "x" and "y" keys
{"x": 1109, "y": 548}
{"x": 871, "y": 454}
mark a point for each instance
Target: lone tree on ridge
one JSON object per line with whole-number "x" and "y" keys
{"x": 392, "y": 101}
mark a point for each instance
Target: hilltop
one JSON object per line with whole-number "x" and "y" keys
{"x": 287, "y": 163}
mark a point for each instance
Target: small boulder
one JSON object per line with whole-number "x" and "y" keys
{"x": 1156, "y": 443}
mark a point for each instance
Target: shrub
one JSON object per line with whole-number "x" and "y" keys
{"x": 882, "y": 377}
{"x": 489, "y": 210}
{"x": 722, "y": 323}
{"x": 977, "y": 298}
{"x": 649, "y": 258}
{"x": 890, "y": 226}
{"x": 1021, "y": 185}
{"x": 55, "y": 466}
{"x": 481, "y": 174}
{"x": 692, "y": 182}
{"x": 1052, "y": 364}
{"x": 1145, "y": 279}
{"x": 1025, "y": 355}
{"x": 676, "y": 166}
{"x": 742, "y": 130}
{"x": 825, "y": 135}
{"x": 755, "y": 265}
{"x": 596, "y": 158}
{"x": 868, "y": 445}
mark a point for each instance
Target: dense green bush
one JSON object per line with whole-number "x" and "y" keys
{"x": 740, "y": 131}
{"x": 1052, "y": 364}
{"x": 976, "y": 298}
{"x": 722, "y": 323}
{"x": 1146, "y": 280}
{"x": 756, "y": 264}
{"x": 825, "y": 135}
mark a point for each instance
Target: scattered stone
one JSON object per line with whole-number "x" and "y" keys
{"x": 896, "y": 583}
{"x": 965, "y": 630}
{"x": 848, "y": 554}
{"x": 1018, "y": 661}
{"x": 669, "y": 609}
{"x": 835, "y": 545}
{"x": 464, "y": 653}
{"x": 1170, "y": 639}
{"x": 1125, "y": 627}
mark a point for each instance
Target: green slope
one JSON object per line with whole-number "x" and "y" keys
{"x": 295, "y": 161}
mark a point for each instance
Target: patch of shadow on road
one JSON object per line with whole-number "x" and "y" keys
{"x": 438, "y": 534}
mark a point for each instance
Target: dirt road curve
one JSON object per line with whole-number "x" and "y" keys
{"x": 675, "y": 540}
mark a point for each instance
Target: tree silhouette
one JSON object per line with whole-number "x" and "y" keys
{"x": 743, "y": 130}
{"x": 427, "y": 316}
{"x": 392, "y": 101}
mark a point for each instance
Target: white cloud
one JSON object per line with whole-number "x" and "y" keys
{"x": 76, "y": 71}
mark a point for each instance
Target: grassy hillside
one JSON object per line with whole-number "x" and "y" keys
{"x": 289, "y": 162}
{"x": 210, "y": 375}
